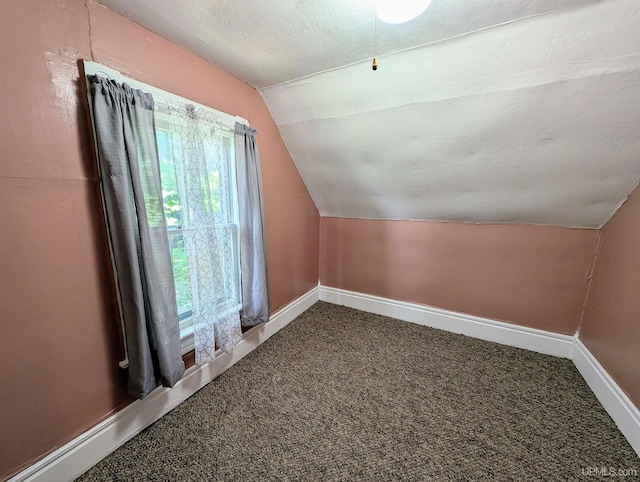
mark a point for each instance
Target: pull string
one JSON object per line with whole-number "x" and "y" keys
{"x": 374, "y": 66}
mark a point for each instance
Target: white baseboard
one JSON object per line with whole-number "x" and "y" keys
{"x": 617, "y": 404}
{"x": 92, "y": 446}
{"x": 83, "y": 452}
{"x": 483, "y": 328}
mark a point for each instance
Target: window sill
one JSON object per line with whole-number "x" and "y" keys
{"x": 186, "y": 340}
{"x": 187, "y": 343}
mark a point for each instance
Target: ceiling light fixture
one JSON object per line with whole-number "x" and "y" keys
{"x": 400, "y": 11}
{"x": 395, "y": 11}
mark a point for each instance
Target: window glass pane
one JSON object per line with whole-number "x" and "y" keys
{"x": 173, "y": 215}
{"x": 180, "y": 272}
{"x": 218, "y": 179}
{"x": 218, "y": 184}
{"x": 168, "y": 178}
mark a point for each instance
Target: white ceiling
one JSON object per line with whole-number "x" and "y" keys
{"x": 267, "y": 42}
{"x": 505, "y": 111}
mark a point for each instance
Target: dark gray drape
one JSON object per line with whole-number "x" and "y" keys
{"x": 127, "y": 154}
{"x": 253, "y": 252}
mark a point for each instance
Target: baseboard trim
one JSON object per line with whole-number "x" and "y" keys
{"x": 83, "y": 452}
{"x": 617, "y": 404}
{"x": 483, "y": 328}
{"x": 86, "y": 450}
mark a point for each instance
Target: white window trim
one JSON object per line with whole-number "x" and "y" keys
{"x": 163, "y": 97}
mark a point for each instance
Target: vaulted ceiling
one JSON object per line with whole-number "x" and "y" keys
{"x": 501, "y": 111}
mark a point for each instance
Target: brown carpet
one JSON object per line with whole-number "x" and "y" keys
{"x": 344, "y": 395}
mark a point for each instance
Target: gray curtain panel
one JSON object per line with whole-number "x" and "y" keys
{"x": 253, "y": 252}
{"x": 127, "y": 155}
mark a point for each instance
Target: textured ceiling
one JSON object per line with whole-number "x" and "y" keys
{"x": 482, "y": 111}
{"x": 269, "y": 42}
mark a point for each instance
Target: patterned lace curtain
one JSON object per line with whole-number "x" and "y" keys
{"x": 202, "y": 174}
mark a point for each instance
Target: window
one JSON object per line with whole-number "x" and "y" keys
{"x": 219, "y": 149}
{"x": 198, "y": 249}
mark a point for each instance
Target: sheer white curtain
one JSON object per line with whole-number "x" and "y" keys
{"x": 202, "y": 172}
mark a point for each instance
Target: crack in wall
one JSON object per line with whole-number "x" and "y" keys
{"x": 86, "y": 5}
{"x": 589, "y": 282}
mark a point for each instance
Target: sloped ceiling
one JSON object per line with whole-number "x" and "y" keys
{"x": 504, "y": 111}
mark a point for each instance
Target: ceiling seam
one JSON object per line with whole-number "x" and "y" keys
{"x": 458, "y": 97}
{"x": 620, "y": 204}
{"x": 635, "y": 184}
{"x": 329, "y": 214}
{"x": 408, "y": 49}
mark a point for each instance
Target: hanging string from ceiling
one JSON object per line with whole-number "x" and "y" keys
{"x": 374, "y": 66}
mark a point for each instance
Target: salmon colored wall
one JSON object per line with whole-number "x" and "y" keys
{"x": 534, "y": 276}
{"x": 59, "y": 345}
{"x": 611, "y": 325}
{"x": 292, "y": 220}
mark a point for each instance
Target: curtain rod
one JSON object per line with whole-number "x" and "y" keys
{"x": 94, "y": 68}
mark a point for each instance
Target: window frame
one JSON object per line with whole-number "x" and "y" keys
{"x": 163, "y": 98}
{"x": 185, "y": 319}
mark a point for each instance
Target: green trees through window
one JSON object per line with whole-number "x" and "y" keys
{"x": 213, "y": 171}
{"x": 173, "y": 216}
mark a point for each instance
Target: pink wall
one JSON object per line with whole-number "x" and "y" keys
{"x": 60, "y": 345}
{"x": 529, "y": 275}
{"x": 611, "y": 326}
{"x": 292, "y": 220}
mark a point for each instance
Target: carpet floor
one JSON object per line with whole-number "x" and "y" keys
{"x": 344, "y": 395}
